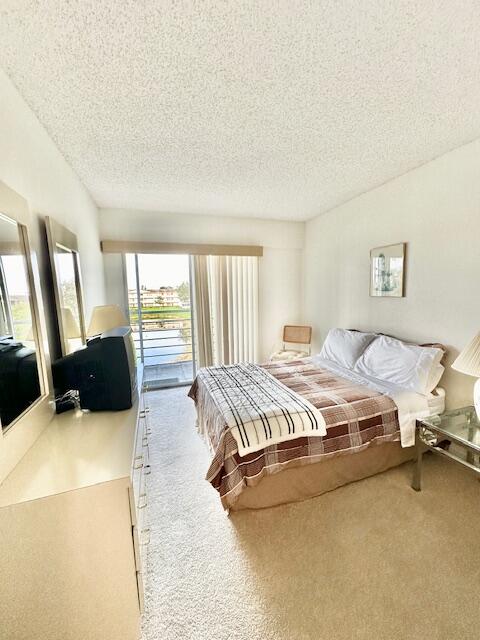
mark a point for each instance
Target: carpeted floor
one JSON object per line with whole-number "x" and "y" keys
{"x": 373, "y": 560}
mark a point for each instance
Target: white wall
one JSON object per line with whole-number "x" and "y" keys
{"x": 435, "y": 209}
{"x": 32, "y": 165}
{"x": 280, "y": 271}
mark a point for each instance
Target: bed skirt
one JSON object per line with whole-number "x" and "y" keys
{"x": 298, "y": 483}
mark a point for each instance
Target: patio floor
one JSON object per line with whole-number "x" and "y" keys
{"x": 168, "y": 375}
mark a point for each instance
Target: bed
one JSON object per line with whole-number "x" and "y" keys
{"x": 368, "y": 421}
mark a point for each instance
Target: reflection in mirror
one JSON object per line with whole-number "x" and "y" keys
{"x": 19, "y": 375}
{"x": 66, "y": 270}
{"x": 67, "y": 284}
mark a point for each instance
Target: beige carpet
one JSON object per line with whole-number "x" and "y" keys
{"x": 373, "y": 560}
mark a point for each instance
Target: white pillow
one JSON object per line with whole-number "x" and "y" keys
{"x": 434, "y": 378}
{"x": 406, "y": 365}
{"x": 345, "y": 347}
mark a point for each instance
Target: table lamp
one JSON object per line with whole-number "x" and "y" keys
{"x": 468, "y": 361}
{"x": 106, "y": 317}
{"x": 70, "y": 325}
{"x": 71, "y": 331}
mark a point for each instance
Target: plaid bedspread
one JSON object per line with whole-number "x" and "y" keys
{"x": 356, "y": 417}
{"x": 258, "y": 409}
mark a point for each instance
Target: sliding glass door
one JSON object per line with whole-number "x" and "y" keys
{"x": 161, "y": 317}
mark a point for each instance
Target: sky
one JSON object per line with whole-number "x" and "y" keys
{"x": 13, "y": 261}
{"x": 157, "y": 270}
{"x": 14, "y": 268}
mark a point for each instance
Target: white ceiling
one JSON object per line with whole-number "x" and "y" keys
{"x": 275, "y": 109}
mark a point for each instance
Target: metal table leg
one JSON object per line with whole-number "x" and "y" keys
{"x": 470, "y": 456}
{"x": 417, "y": 470}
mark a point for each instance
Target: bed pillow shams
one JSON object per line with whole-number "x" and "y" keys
{"x": 345, "y": 347}
{"x": 434, "y": 378}
{"x": 406, "y": 365}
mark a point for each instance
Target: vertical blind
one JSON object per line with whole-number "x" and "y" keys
{"x": 226, "y": 308}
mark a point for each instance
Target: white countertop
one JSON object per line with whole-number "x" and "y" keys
{"x": 77, "y": 449}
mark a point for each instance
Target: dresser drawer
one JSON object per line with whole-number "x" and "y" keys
{"x": 140, "y": 466}
{"x": 138, "y": 496}
{"x": 137, "y": 550}
{"x": 141, "y": 598}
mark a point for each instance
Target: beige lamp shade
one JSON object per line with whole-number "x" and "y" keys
{"x": 70, "y": 325}
{"x": 468, "y": 361}
{"x": 106, "y": 317}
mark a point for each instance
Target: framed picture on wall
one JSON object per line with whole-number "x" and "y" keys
{"x": 387, "y": 271}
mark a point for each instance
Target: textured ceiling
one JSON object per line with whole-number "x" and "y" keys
{"x": 275, "y": 109}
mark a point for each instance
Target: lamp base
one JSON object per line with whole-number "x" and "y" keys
{"x": 476, "y": 398}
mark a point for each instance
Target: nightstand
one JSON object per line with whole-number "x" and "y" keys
{"x": 454, "y": 435}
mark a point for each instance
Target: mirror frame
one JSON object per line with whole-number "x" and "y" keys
{"x": 58, "y": 235}
{"x": 17, "y": 437}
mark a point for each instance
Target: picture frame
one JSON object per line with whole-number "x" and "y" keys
{"x": 387, "y": 271}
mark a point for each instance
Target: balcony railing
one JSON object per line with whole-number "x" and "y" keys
{"x": 163, "y": 339}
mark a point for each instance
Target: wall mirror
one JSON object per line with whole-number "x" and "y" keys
{"x": 21, "y": 379}
{"x": 67, "y": 285}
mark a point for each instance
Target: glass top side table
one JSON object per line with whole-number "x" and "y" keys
{"x": 460, "y": 428}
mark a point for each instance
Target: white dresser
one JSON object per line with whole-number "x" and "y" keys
{"x": 71, "y": 530}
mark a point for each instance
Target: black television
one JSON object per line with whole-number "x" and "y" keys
{"x": 19, "y": 383}
{"x": 104, "y": 372}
